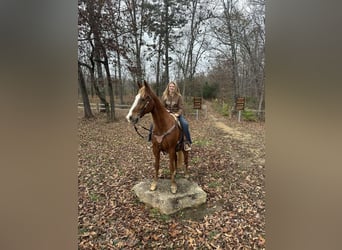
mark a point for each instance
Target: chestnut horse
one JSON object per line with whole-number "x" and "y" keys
{"x": 167, "y": 135}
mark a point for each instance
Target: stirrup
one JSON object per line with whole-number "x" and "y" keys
{"x": 149, "y": 138}
{"x": 187, "y": 146}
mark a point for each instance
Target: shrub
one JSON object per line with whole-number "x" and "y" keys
{"x": 209, "y": 91}
{"x": 249, "y": 115}
{"x": 225, "y": 109}
{"x": 221, "y": 107}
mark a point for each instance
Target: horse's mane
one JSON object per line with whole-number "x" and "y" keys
{"x": 147, "y": 89}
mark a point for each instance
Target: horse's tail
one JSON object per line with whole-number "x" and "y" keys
{"x": 180, "y": 159}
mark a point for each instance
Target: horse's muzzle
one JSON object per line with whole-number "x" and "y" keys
{"x": 133, "y": 120}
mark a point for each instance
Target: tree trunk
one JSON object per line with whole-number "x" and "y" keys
{"x": 101, "y": 89}
{"x": 167, "y": 45}
{"x": 99, "y": 94}
{"x": 87, "y": 110}
{"x": 97, "y": 49}
{"x": 261, "y": 97}
{"x": 228, "y": 6}
{"x": 120, "y": 77}
{"x": 110, "y": 90}
{"x": 158, "y": 85}
{"x": 93, "y": 81}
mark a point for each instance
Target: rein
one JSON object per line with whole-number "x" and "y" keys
{"x": 136, "y": 129}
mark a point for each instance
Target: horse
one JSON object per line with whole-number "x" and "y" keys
{"x": 167, "y": 133}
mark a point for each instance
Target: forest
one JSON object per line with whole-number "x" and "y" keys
{"x": 212, "y": 49}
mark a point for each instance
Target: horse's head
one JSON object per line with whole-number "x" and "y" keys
{"x": 143, "y": 104}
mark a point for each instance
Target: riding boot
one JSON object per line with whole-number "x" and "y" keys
{"x": 187, "y": 146}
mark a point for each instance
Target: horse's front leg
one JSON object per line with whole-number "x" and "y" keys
{"x": 172, "y": 157}
{"x": 156, "y": 168}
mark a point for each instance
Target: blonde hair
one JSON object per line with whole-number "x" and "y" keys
{"x": 166, "y": 92}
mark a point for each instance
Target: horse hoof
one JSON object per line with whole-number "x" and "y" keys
{"x": 173, "y": 189}
{"x": 153, "y": 186}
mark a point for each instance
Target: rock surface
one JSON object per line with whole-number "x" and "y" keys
{"x": 189, "y": 194}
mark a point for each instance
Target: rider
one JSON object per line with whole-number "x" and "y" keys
{"x": 173, "y": 102}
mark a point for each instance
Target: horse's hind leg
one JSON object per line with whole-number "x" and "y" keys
{"x": 172, "y": 156}
{"x": 186, "y": 163}
{"x": 156, "y": 168}
{"x": 179, "y": 160}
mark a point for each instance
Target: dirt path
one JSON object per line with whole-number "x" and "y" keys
{"x": 229, "y": 130}
{"x": 252, "y": 142}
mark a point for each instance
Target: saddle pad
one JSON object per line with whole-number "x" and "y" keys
{"x": 176, "y": 119}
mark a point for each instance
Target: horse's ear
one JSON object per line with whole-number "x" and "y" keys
{"x": 139, "y": 84}
{"x": 146, "y": 85}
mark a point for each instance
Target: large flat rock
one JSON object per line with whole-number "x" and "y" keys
{"x": 189, "y": 194}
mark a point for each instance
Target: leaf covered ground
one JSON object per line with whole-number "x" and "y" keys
{"x": 227, "y": 161}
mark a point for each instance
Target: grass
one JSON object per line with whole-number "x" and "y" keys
{"x": 82, "y": 231}
{"x": 166, "y": 171}
{"x": 94, "y": 197}
{"x": 213, "y": 184}
{"x": 212, "y": 234}
{"x": 195, "y": 160}
{"x": 216, "y": 174}
{"x": 202, "y": 142}
{"x": 154, "y": 212}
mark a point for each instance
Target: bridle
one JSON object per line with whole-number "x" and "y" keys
{"x": 145, "y": 106}
{"x": 140, "y": 114}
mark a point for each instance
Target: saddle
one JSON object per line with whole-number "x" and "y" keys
{"x": 176, "y": 119}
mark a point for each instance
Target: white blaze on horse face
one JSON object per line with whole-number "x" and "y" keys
{"x": 135, "y": 103}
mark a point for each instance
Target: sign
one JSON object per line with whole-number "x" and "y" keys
{"x": 240, "y": 103}
{"x": 197, "y": 102}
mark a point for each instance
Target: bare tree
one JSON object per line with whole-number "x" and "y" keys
{"x": 241, "y": 35}
{"x": 196, "y": 41}
{"x": 90, "y": 47}
{"x": 165, "y": 21}
{"x": 86, "y": 104}
{"x": 97, "y": 39}
{"x": 227, "y": 34}
{"x": 134, "y": 12}
{"x": 115, "y": 42}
